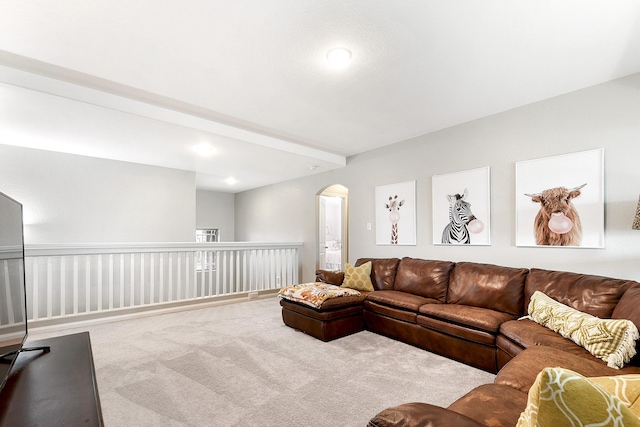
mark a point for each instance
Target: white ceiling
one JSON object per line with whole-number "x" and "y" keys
{"x": 146, "y": 81}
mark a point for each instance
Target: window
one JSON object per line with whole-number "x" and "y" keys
{"x": 206, "y": 259}
{"x": 207, "y": 235}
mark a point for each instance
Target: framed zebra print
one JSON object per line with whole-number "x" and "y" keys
{"x": 396, "y": 214}
{"x": 462, "y": 208}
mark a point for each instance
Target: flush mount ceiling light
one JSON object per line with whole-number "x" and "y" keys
{"x": 231, "y": 180}
{"x": 339, "y": 57}
{"x": 204, "y": 149}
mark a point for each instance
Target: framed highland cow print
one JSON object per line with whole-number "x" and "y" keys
{"x": 396, "y": 214}
{"x": 560, "y": 201}
{"x": 462, "y": 208}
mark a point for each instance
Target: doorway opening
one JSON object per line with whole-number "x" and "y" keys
{"x": 333, "y": 232}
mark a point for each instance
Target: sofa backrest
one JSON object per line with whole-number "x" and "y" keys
{"x": 330, "y": 277}
{"x": 629, "y": 308}
{"x": 426, "y": 278}
{"x": 629, "y": 305}
{"x": 383, "y": 271}
{"x": 596, "y": 295}
{"x": 488, "y": 286}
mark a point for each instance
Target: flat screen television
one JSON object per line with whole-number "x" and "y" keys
{"x": 13, "y": 302}
{"x": 13, "y": 308}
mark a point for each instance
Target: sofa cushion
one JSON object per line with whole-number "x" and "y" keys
{"x": 458, "y": 332}
{"x": 426, "y": 278}
{"x": 612, "y": 340}
{"x": 383, "y": 271}
{"x": 403, "y": 314}
{"x": 471, "y": 317}
{"x": 358, "y": 278}
{"x": 487, "y": 286}
{"x": 401, "y": 300}
{"x": 591, "y": 294}
{"x": 526, "y": 333}
{"x": 521, "y": 371}
{"x": 563, "y": 397}
{"x": 491, "y": 405}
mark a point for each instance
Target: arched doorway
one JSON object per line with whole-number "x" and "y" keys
{"x": 333, "y": 234}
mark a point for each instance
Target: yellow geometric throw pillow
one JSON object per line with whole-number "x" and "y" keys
{"x": 560, "y": 397}
{"x": 358, "y": 278}
{"x": 612, "y": 340}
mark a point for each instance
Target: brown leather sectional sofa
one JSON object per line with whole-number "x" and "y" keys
{"x": 470, "y": 312}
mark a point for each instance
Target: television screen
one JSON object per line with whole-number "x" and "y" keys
{"x": 13, "y": 313}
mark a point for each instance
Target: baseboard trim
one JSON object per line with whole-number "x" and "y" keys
{"x": 82, "y": 320}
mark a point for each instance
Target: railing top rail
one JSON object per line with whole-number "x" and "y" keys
{"x": 53, "y": 249}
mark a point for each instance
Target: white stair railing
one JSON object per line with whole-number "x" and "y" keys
{"x": 77, "y": 280}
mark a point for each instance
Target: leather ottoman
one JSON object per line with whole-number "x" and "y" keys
{"x": 336, "y": 318}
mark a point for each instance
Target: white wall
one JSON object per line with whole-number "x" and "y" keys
{"x": 605, "y": 116}
{"x": 216, "y": 210}
{"x": 77, "y": 199}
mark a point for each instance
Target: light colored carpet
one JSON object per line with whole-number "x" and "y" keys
{"x": 239, "y": 365}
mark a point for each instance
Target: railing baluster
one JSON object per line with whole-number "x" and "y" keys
{"x": 161, "y": 278}
{"x": 201, "y": 255}
{"x": 7, "y": 280}
{"x": 63, "y": 286}
{"x": 243, "y": 255}
{"x": 179, "y": 284}
{"x": 237, "y": 282}
{"x": 35, "y": 314}
{"x": 210, "y": 272}
{"x": 142, "y": 285}
{"x": 99, "y": 273}
{"x": 132, "y": 280}
{"x": 49, "y": 287}
{"x": 122, "y": 270}
{"x": 110, "y": 281}
{"x": 152, "y": 282}
{"x": 223, "y": 274}
{"x": 170, "y": 293}
{"x": 87, "y": 283}
{"x": 190, "y": 279}
{"x": 218, "y": 273}
{"x": 76, "y": 295}
{"x": 21, "y": 271}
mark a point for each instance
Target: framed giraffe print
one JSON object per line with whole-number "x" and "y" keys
{"x": 462, "y": 208}
{"x": 396, "y": 214}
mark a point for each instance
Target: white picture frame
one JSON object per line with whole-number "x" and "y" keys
{"x": 445, "y": 188}
{"x": 582, "y": 172}
{"x": 396, "y": 214}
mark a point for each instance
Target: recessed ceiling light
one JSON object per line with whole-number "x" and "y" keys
{"x": 204, "y": 149}
{"x": 339, "y": 57}
{"x": 231, "y": 180}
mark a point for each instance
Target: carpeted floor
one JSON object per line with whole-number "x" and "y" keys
{"x": 239, "y": 365}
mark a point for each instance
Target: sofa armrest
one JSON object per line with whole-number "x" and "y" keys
{"x": 420, "y": 415}
{"x": 330, "y": 277}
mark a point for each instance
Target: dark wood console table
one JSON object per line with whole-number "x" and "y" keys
{"x": 57, "y": 388}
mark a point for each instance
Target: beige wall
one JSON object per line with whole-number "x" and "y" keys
{"x": 77, "y": 199}
{"x": 605, "y": 116}
{"x": 216, "y": 210}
